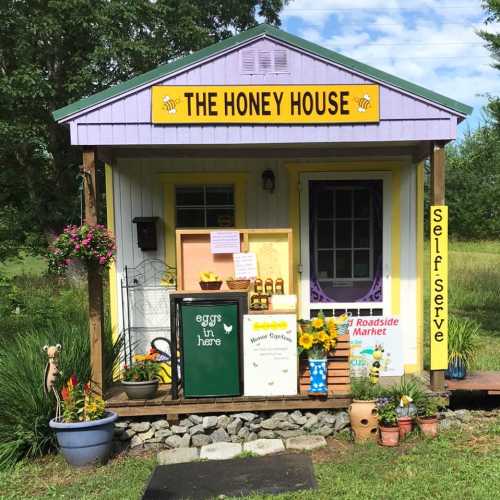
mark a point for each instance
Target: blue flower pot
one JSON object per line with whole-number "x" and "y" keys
{"x": 85, "y": 443}
{"x": 317, "y": 369}
{"x": 456, "y": 370}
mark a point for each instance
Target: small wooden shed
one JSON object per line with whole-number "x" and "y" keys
{"x": 267, "y": 130}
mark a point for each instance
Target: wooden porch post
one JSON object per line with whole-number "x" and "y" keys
{"x": 94, "y": 276}
{"x": 438, "y": 198}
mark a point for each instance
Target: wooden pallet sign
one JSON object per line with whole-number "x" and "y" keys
{"x": 338, "y": 375}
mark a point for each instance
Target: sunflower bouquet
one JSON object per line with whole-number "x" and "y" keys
{"x": 317, "y": 337}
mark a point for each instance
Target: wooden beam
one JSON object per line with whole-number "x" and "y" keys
{"x": 94, "y": 276}
{"x": 438, "y": 161}
{"x": 237, "y": 406}
{"x": 438, "y": 164}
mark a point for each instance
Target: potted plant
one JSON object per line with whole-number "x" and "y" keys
{"x": 316, "y": 338}
{"x": 141, "y": 379}
{"x": 462, "y": 345}
{"x": 388, "y": 421}
{"x": 427, "y": 410}
{"x": 407, "y": 394}
{"x": 85, "y": 429}
{"x": 363, "y": 410}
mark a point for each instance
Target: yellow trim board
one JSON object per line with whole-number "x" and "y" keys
{"x": 172, "y": 179}
{"x": 110, "y": 216}
{"x": 420, "y": 266}
{"x": 390, "y": 165}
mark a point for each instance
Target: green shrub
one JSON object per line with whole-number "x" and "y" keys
{"x": 363, "y": 390}
{"x": 410, "y": 386}
{"x": 463, "y": 335}
{"x": 25, "y": 410}
{"x": 32, "y": 303}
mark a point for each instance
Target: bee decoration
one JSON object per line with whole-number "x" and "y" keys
{"x": 363, "y": 103}
{"x": 377, "y": 356}
{"x": 170, "y": 104}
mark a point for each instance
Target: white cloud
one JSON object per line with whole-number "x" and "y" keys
{"x": 429, "y": 42}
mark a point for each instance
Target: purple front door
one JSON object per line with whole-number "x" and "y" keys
{"x": 345, "y": 230}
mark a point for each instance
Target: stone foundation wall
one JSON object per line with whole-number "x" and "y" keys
{"x": 197, "y": 430}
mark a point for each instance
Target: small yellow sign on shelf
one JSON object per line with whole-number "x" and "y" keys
{"x": 439, "y": 287}
{"x": 266, "y": 104}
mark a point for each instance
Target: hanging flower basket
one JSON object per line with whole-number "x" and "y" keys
{"x": 93, "y": 245}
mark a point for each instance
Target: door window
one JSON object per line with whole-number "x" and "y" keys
{"x": 346, "y": 241}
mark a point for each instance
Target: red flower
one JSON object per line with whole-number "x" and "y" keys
{"x": 74, "y": 380}
{"x": 65, "y": 393}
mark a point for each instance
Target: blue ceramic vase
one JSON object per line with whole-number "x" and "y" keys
{"x": 456, "y": 370}
{"x": 317, "y": 369}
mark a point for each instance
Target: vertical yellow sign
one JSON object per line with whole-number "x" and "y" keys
{"x": 439, "y": 287}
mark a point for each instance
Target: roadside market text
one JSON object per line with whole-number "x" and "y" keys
{"x": 367, "y": 326}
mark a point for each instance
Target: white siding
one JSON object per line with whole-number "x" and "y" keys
{"x": 138, "y": 191}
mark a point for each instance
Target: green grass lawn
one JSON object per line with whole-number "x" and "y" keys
{"x": 474, "y": 292}
{"x": 28, "y": 265}
{"x": 458, "y": 464}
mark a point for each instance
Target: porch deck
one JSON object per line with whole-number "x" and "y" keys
{"x": 478, "y": 381}
{"x": 117, "y": 400}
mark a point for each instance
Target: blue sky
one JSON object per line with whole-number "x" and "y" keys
{"x": 429, "y": 42}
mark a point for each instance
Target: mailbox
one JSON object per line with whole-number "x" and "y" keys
{"x": 146, "y": 232}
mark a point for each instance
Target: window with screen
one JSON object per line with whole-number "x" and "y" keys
{"x": 204, "y": 206}
{"x": 344, "y": 235}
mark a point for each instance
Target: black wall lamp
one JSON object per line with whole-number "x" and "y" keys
{"x": 268, "y": 181}
{"x": 146, "y": 232}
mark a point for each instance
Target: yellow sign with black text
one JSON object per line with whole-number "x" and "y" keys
{"x": 439, "y": 287}
{"x": 266, "y": 104}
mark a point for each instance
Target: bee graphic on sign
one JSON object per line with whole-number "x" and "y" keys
{"x": 170, "y": 104}
{"x": 363, "y": 103}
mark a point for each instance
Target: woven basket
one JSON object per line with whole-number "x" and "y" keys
{"x": 238, "y": 284}
{"x": 210, "y": 285}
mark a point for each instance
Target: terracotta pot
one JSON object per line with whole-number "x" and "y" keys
{"x": 428, "y": 426}
{"x": 389, "y": 436}
{"x": 405, "y": 425}
{"x": 364, "y": 421}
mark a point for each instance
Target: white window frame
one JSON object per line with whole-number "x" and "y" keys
{"x": 306, "y": 305}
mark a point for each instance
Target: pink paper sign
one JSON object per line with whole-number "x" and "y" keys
{"x": 225, "y": 242}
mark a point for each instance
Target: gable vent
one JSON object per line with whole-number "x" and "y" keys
{"x": 248, "y": 62}
{"x": 263, "y": 62}
{"x": 281, "y": 61}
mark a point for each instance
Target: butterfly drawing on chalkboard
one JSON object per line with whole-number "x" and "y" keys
{"x": 255, "y": 364}
{"x": 285, "y": 370}
{"x": 270, "y": 383}
{"x": 228, "y": 329}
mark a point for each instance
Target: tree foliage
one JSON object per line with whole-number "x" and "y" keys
{"x": 473, "y": 185}
{"x": 492, "y": 8}
{"x": 53, "y": 52}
